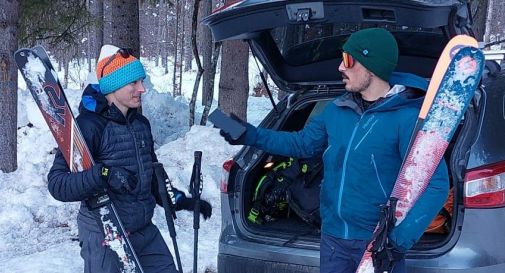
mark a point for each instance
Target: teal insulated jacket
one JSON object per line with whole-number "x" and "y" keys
{"x": 363, "y": 152}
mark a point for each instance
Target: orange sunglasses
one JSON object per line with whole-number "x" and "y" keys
{"x": 347, "y": 59}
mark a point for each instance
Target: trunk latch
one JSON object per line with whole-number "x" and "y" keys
{"x": 303, "y": 15}
{"x": 304, "y": 12}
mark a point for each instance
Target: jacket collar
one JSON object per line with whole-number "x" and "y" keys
{"x": 408, "y": 91}
{"x": 397, "y": 97}
{"x": 93, "y": 100}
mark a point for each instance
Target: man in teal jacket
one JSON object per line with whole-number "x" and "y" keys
{"x": 364, "y": 134}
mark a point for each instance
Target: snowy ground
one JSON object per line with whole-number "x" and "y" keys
{"x": 38, "y": 233}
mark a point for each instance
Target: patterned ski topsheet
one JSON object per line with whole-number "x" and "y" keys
{"x": 430, "y": 142}
{"x": 45, "y": 89}
{"x": 454, "y": 44}
{"x": 450, "y": 103}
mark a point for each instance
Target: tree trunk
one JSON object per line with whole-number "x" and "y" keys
{"x": 96, "y": 37}
{"x": 88, "y": 50}
{"x": 479, "y": 12}
{"x": 210, "y": 98}
{"x": 159, "y": 31}
{"x": 188, "y": 54}
{"x": 194, "y": 47}
{"x": 176, "y": 46}
{"x": 495, "y": 31}
{"x": 8, "y": 85}
{"x": 206, "y": 49}
{"x": 183, "y": 37}
{"x": 65, "y": 70}
{"x": 121, "y": 28}
{"x": 234, "y": 80}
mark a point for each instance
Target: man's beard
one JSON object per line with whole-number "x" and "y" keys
{"x": 363, "y": 84}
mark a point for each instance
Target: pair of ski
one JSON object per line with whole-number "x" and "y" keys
{"x": 43, "y": 83}
{"x": 452, "y": 86}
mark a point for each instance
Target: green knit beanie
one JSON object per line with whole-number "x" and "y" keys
{"x": 376, "y": 49}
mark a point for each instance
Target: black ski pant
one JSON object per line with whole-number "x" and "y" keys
{"x": 148, "y": 244}
{"x": 343, "y": 256}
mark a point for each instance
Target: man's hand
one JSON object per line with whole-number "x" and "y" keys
{"x": 119, "y": 179}
{"x": 242, "y": 139}
{"x": 385, "y": 259}
{"x": 184, "y": 203}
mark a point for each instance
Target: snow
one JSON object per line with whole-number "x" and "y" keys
{"x": 39, "y": 234}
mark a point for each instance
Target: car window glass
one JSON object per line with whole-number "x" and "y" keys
{"x": 301, "y": 44}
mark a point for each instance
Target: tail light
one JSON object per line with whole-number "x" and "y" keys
{"x": 227, "y": 5}
{"x": 225, "y": 175}
{"x": 485, "y": 187}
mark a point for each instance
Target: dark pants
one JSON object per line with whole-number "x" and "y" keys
{"x": 343, "y": 256}
{"x": 149, "y": 246}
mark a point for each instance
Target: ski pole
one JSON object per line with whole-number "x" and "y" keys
{"x": 168, "y": 200}
{"x": 195, "y": 188}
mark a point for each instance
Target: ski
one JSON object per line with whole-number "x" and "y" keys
{"x": 43, "y": 83}
{"x": 455, "y": 79}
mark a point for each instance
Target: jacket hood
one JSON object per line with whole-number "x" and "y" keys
{"x": 93, "y": 100}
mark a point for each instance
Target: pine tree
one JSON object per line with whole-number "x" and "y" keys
{"x": 8, "y": 86}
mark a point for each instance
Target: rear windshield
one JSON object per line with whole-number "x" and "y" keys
{"x": 308, "y": 43}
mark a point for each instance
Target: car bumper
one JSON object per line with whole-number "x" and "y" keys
{"x": 500, "y": 268}
{"x": 234, "y": 264}
{"x": 255, "y": 254}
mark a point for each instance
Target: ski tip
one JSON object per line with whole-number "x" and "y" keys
{"x": 22, "y": 52}
{"x": 21, "y": 57}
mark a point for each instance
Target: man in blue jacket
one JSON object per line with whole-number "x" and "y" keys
{"x": 121, "y": 144}
{"x": 364, "y": 134}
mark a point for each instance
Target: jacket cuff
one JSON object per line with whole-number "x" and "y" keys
{"x": 397, "y": 243}
{"x": 251, "y": 134}
{"x": 100, "y": 180}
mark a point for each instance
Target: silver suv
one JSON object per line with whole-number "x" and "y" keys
{"x": 299, "y": 44}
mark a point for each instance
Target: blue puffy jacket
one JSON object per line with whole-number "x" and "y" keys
{"x": 362, "y": 155}
{"x": 114, "y": 141}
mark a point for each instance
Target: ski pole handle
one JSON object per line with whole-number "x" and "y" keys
{"x": 197, "y": 188}
{"x": 198, "y": 172}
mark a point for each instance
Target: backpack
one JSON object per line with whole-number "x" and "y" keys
{"x": 303, "y": 196}
{"x": 292, "y": 184}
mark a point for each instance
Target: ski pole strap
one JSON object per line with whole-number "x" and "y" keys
{"x": 387, "y": 222}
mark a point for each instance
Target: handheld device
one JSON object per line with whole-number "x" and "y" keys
{"x": 226, "y": 123}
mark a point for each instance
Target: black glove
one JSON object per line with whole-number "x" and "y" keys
{"x": 385, "y": 259}
{"x": 384, "y": 251}
{"x": 119, "y": 179}
{"x": 184, "y": 203}
{"x": 242, "y": 139}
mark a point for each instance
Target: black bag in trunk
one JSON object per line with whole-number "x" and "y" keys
{"x": 294, "y": 184}
{"x": 303, "y": 195}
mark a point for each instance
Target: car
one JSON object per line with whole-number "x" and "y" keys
{"x": 299, "y": 44}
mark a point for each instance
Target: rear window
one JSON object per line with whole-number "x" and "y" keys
{"x": 302, "y": 44}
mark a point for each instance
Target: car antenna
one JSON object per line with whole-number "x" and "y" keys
{"x": 263, "y": 78}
